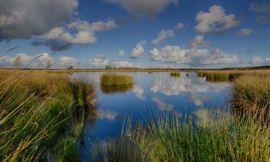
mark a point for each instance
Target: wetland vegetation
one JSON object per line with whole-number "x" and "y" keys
{"x": 43, "y": 116}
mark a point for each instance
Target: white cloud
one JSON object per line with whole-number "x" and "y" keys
{"x": 103, "y": 114}
{"x": 244, "y": 32}
{"x": 121, "y": 64}
{"x": 212, "y": 117}
{"x": 139, "y": 50}
{"x": 179, "y": 26}
{"x": 140, "y": 8}
{"x": 162, "y": 105}
{"x": 263, "y": 7}
{"x": 195, "y": 57}
{"x": 199, "y": 41}
{"x": 101, "y": 56}
{"x": 191, "y": 86}
{"x": 67, "y": 61}
{"x": 215, "y": 21}
{"x": 198, "y": 99}
{"x": 85, "y": 35}
{"x": 121, "y": 53}
{"x": 260, "y": 61}
{"x": 163, "y": 35}
{"x": 138, "y": 89}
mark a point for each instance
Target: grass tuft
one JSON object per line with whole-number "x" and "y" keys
{"x": 115, "y": 79}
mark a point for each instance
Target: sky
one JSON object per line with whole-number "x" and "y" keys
{"x": 141, "y": 33}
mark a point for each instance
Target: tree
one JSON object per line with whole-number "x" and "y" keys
{"x": 17, "y": 62}
{"x": 70, "y": 68}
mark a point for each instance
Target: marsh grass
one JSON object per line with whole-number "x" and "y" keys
{"x": 175, "y": 74}
{"x": 229, "y": 75}
{"x": 37, "y": 113}
{"x": 251, "y": 93}
{"x": 111, "y": 89}
{"x": 115, "y": 79}
{"x": 169, "y": 138}
{"x": 199, "y": 73}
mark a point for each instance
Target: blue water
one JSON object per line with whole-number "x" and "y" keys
{"x": 157, "y": 91}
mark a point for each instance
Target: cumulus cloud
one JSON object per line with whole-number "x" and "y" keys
{"x": 213, "y": 118}
{"x": 162, "y": 105}
{"x": 61, "y": 62}
{"x": 34, "y": 15}
{"x": 194, "y": 87}
{"x": 244, "y": 32}
{"x": 163, "y": 35}
{"x": 194, "y": 57}
{"x": 121, "y": 53}
{"x": 198, "y": 99}
{"x": 250, "y": 51}
{"x": 101, "y": 56}
{"x": 215, "y": 21}
{"x": 179, "y": 26}
{"x": 105, "y": 114}
{"x": 260, "y": 61}
{"x": 263, "y": 7}
{"x": 85, "y": 35}
{"x": 140, "y": 8}
{"x": 138, "y": 89}
{"x": 139, "y": 50}
{"x": 199, "y": 41}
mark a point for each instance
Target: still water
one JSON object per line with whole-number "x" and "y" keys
{"x": 156, "y": 91}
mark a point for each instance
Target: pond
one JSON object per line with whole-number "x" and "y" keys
{"x": 152, "y": 91}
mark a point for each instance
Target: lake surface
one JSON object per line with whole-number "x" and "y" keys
{"x": 156, "y": 91}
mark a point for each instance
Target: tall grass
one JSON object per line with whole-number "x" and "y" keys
{"x": 115, "y": 79}
{"x": 252, "y": 93}
{"x": 37, "y": 113}
{"x": 229, "y": 75}
{"x": 169, "y": 138}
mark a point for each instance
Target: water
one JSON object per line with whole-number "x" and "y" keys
{"x": 157, "y": 91}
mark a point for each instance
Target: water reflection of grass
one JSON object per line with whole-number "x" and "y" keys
{"x": 39, "y": 115}
{"x": 175, "y": 74}
{"x": 115, "y": 79}
{"x": 110, "y": 89}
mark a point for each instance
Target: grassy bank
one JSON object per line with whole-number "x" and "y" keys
{"x": 115, "y": 79}
{"x": 38, "y": 118}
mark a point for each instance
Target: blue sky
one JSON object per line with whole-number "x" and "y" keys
{"x": 211, "y": 33}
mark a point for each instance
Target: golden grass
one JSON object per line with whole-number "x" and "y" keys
{"x": 115, "y": 79}
{"x": 252, "y": 93}
{"x": 36, "y": 112}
